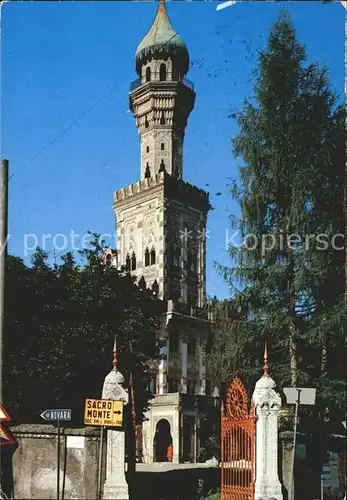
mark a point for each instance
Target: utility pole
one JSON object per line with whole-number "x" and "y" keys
{"x": 3, "y": 255}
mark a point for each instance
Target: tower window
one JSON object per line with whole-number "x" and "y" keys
{"x": 162, "y": 73}
{"x": 133, "y": 261}
{"x": 142, "y": 283}
{"x": 148, "y": 74}
{"x": 162, "y": 119}
{"x": 191, "y": 346}
{"x": 146, "y": 122}
{"x": 173, "y": 385}
{"x": 176, "y": 253}
{"x": 191, "y": 386}
{"x": 174, "y": 343}
{"x": 162, "y": 146}
{"x": 146, "y": 257}
{"x": 147, "y": 172}
{"x": 147, "y": 149}
{"x": 155, "y": 288}
{"x": 152, "y": 256}
{"x": 127, "y": 262}
{"x": 162, "y": 166}
{"x": 191, "y": 259}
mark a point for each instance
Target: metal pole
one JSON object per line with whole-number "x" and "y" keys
{"x": 64, "y": 467}
{"x": 3, "y": 258}
{"x": 291, "y": 490}
{"x": 58, "y": 461}
{"x": 101, "y": 446}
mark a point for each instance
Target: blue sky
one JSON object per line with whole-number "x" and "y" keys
{"x": 66, "y": 71}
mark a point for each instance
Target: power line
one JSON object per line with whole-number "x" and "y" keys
{"x": 69, "y": 127}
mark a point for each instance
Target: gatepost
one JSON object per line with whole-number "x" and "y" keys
{"x": 116, "y": 486}
{"x": 267, "y": 404}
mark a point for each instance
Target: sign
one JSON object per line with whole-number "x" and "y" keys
{"x": 103, "y": 412}
{"x": 75, "y": 442}
{"x": 57, "y": 414}
{"x": 303, "y": 395}
{"x": 6, "y": 437}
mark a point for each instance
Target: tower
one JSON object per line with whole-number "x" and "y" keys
{"x": 161, "y": 225}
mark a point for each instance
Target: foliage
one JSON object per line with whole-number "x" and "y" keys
{"x": 61, "y": 323}
{"x": 287, "y": 279}
{"x": 216, "y": 495}
{"x": 210, "y": 449}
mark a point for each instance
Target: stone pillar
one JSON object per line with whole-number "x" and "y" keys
{"x": 163, "y": 367}
{"x": 175, "y": 433}
{"x": 116, "y": 486}
{"x": 184, "y": 364}
{"x": 267, "y": 404}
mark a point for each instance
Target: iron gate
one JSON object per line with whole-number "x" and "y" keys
{"x": 237, "y": 445}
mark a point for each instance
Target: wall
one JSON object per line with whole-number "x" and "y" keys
{"x": 35, "y": 462}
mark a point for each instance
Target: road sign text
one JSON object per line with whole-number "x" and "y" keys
{"x": 103, "y": 412}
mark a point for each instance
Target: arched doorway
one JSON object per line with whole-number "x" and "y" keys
{"x": 162, "y": 439}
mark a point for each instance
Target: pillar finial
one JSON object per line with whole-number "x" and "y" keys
{"x": 115, "y": 355}
{"x": 266, "y": 362}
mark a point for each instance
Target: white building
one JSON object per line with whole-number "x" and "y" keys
{"x": 161, "y": 232}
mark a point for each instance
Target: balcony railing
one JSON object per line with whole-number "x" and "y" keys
{"x": 188, "y": 310}
{"x": 156, "y": 77}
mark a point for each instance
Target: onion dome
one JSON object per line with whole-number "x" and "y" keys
{"x": 162, "y": 41}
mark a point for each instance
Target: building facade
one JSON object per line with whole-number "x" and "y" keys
{"x": 161, "y": 238}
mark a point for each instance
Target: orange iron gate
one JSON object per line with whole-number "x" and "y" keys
{"x": 237, "y": 444}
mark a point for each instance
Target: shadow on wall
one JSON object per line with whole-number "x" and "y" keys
{"x": 6, "y": 482}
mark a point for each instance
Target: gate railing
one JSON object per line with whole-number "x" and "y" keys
{"x": 237, "y": 445}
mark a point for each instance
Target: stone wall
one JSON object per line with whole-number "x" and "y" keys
{"x": 35, "y": 462}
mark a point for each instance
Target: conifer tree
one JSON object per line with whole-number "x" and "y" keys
{"x": 287, "y": 276}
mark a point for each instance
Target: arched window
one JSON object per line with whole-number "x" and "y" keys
{"x": 147, "y": 172}
{"x": 146, "y": 257}
{"x": 108, "y": 259}
{"x": 155, "y": 287}
{"x": 162, "y": 166}
{"x": 127, "y": 262}
{"x": 133, "y": 261}
{"x": 162, "y": 73}
{"x": 148, "y": 74}
{"x": 162, "y": 146}
{"x": 142, "y": 283}
{"x": 147, "y": 149}
{"x": 176, "y": 254}
{"x": 191, "y": 259}
{"x": 152, "y": 256}
{"x": 146, "y": 122}
{"x": 162, "y": 119}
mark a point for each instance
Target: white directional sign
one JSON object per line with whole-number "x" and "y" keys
{"x": 57, "y": 414}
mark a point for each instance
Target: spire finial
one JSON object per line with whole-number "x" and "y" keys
{"x": 266, "y": 362}
{"x": 115, "y": 356}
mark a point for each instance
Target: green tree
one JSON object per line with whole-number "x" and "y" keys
{"x": 61, "y": 323}
{"x": 287, "y": 286}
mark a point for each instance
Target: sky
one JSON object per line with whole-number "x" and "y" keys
{"x": 66, "y": 69}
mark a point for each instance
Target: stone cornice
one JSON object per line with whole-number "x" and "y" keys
{"x": 174, "y": 189}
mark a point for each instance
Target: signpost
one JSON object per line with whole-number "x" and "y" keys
{"x": 297, "y": 396}
{"x": 106, "y": 413}
{"x": 57, "y": 415}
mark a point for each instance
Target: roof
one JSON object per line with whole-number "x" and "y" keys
{"x": 162, "y": 37}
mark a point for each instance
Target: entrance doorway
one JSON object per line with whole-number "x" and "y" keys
{"x": 162, "y": 440}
